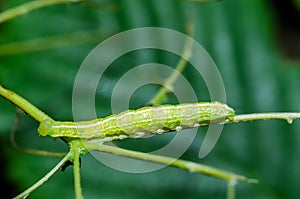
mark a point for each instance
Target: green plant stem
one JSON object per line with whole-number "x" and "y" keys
{"x": 182, "y": 164}
{"x": 289, "y": 117}
{"x": 39, "y": 152}
{"x": 24, "y": 105}
{"x": 28, "y": 7}
{"x": 190, "y": 166}
{"x": 12, "y": 139}
{"x": 40, "y": 116}
{"x": 187, "y": 53}
{"x": 76, "y": 148}
{"x": 45, "y": 178}
{"x": 231, "y": 188}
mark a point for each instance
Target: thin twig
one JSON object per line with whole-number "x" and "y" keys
{"x": 231, "y": 188}
{"x": 187, "y": 53}
{"x": 76, "y": 147}
{"x": 28, "y": 7}
{"x": 12, "y": 139}
{"x": 45, "y": 178}
{"x": 24, "y": 105}
{"x": 289, "y": 117}
{"x": 182, "y": 164}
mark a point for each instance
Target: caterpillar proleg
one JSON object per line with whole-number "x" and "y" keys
{"x": 141, "y": 122}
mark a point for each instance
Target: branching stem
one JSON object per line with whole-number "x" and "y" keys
{"x": 231, "y": 188}
{"x": 24, "y": 105}
{"x": 76, "y": 148}
{"x": 12, "y": 139}
{"x": 187, "y": 53}
{"x": 182, "y": 164}
{"x": 45, "y": 178}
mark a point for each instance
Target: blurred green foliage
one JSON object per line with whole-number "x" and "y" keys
{"x": 297, "y": 2}
{"x": 241, "y": 38}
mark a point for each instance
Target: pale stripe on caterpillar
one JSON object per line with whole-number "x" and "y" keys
{"x": 141, "y": 122}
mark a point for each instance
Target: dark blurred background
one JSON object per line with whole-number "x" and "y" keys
{"x": 255, "y": 44}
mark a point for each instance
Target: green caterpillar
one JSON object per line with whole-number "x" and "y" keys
{"x": 141, "y": 122}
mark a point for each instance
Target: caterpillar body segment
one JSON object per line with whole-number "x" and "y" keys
{"x": 141, "y": 122}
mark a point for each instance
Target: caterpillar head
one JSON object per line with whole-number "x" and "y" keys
{"x": 45, "y": 128}
{"x": 219, "y": 112}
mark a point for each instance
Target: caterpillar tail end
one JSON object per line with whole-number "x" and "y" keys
{"x": 45, "y": 128}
